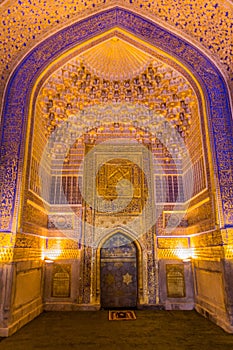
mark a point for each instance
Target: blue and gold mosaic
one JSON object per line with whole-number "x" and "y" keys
{"x": 20, "y": 86}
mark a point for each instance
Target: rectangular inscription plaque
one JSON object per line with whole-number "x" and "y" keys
{"x": 175, "y": 281}
{"x": 61, "y": 281}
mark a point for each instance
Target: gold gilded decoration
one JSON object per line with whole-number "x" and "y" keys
{"x": 178, "y": 218}
{"x": 35, "y": 215}
{"x": 61, "y": 280}
{"x": 175, "y": 281}
{"x": 227, "y": 203}
{"x": 55, "y": 254}
{"x": 209, "y": 23}
{"x": 63, "y": 244}
{"x": 122, "y": 179}
{"x": 116, "y": 60}
{"x": 228, "y": 248}
{"x": 74, "y": 87}
{"x": 28, "y": 241}
{"x": 203, "y": 253}
{"x": 171, "y": 243}
{"x": 207, "y": 239}
{"x": 149, "y": 88}
{"x": 201, "y": 216}
{"x": 6, "y": 255}
{"x": 148, "y": 32}
{"x": 27, "y": 247}
{"x": 109, "y": 279}
{"x": 57, "y": 248}
{"x": 127, "y": 278}
{"x": 118, "y": 264}
{"x": 7, "y": 240}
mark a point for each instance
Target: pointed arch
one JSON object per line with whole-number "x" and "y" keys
{"x": 140, "y": 261}
{"x": 17, "y": 96}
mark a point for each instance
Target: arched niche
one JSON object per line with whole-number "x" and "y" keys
{"x": 140, "y": 256}
{"x": 15, "y": 138}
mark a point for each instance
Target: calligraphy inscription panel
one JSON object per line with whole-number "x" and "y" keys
{"x": 175, "y": 281}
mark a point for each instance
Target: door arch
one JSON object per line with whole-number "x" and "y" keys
{"x": 118, "y": 272}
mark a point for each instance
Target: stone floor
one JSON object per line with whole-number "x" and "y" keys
{"x": 157, "y": 330}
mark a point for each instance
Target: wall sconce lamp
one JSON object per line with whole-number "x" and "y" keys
{"x": 48, "y": 260}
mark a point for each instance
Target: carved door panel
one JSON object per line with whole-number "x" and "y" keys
{"x": 118, "y": 273}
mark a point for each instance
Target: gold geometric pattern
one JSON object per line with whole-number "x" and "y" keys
{"x": 115, "y": 59}
{"x": 110, "y": 279}
{"x": 121, "y": 179}
{"x": 127, "y": 278}
{"x": 74, "y": 87}
{"x": 209, "y": 23}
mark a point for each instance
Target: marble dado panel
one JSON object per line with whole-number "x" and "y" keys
{"x": 175, "y": 281}
{"x": 176, "y": 284}
{"x": 207, "y": 277}
{"x": 27, "y": 287}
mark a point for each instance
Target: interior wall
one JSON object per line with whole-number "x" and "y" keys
{"x": 221, "y": 145}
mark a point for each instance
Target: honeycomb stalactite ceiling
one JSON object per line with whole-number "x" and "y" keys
{"x": 74, "y": 88}
{"x": 115, "y": 59}
{"x": 24, "y": 23}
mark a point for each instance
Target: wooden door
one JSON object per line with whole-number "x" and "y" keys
{"x": 118, "y": 273}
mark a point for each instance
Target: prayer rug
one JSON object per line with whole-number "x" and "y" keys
{"x": 121, "y": 315}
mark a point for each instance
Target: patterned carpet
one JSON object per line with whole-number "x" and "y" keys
{"x": 121, "y": 315}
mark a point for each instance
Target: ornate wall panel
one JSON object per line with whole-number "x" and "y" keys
{"x": 61, "y": 280}
{"x": 175, "y": 281}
